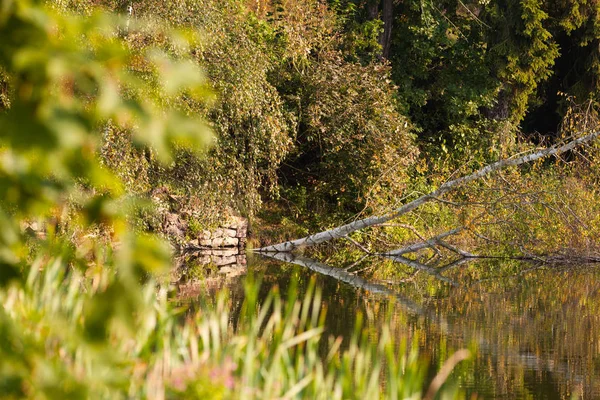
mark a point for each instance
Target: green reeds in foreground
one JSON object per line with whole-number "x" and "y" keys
{"x": 48, "y": 351}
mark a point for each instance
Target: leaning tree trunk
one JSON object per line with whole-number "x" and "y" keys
{"x": 344, "y": 230}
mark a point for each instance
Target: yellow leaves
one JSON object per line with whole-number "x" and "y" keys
{"x": 451, "y": 35}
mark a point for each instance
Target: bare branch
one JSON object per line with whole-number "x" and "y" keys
{"x": 424, "y": 244}
{"x": 456, "y": 249}
{"x": 456, "y": 263}
{"x": 354, "y": 264}
{"x": 360, "y": 246}
{"x": 422, "y": 267}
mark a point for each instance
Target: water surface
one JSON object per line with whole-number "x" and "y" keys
{"x": 536, "y": 328}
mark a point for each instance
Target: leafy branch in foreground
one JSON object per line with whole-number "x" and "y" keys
{"x": 69, "y": 76}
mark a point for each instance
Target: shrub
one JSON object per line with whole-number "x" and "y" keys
{"x": 353, "y": 148}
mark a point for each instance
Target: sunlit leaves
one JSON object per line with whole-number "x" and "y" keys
{"x": 253, "y": 128}
{"x": 349, "y": 122}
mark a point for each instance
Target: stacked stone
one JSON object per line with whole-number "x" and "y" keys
{"x": 231, "y": 235}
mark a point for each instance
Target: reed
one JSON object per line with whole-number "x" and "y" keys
{"x": 275, "y": 349}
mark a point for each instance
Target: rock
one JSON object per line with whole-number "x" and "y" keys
{"x": 205, "y": 242}
{"x": 205, "y": 260}
{"x": 230, "y": 242}
{"x": 241, "y": 259}
{"x": 242, "y": 229}
{"x": 171, "y": 218}
{"x": 174, "y": 226}
{"x": 225, "y": 252}
{"x": 221, "y": 261}
{"x": 232, "y": 271}
{"x": 174, "y": 230}
{"x": 228, "y": 232}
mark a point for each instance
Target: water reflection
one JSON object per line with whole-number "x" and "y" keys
{"x": 537, "y": 329}
{"x": 208, "y": 270}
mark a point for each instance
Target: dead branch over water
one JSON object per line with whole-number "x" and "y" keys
{"x": 344, "y": 230}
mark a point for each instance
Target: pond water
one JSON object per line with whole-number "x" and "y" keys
{"x": 536, "y": 329}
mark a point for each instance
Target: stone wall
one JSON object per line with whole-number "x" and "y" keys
{"x": 175, "y": 213}
{"x": 228, "y": 261}
{"x": 231, "y": 234}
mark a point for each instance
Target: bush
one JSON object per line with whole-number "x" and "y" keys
{"x": 294, "y": 106}
{"x": 353, "y": 148}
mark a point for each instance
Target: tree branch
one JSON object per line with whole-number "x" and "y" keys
{"x": 424, "y": 244}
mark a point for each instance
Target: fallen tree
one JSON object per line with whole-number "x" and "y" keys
{"x": 344, "y": 230}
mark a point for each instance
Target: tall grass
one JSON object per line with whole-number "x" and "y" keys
{"x": 274, "y": 350}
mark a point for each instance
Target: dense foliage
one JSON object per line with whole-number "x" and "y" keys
{"x": 470, "y": 73}
{"x": 97, "y": 109}
{"x": 323, "y": 109}
{"x": 293, "y": 106}
{"x": 348, "y": 119}
{"x": 306, "y": 89}
{"x": 387, "y": 92}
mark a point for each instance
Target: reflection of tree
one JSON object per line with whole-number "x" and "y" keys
{"x": 346, "y": 277}
{"x": 536, "y": 330}
{"x": 548, "y": 318}
{"x": 433, "y": 271}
